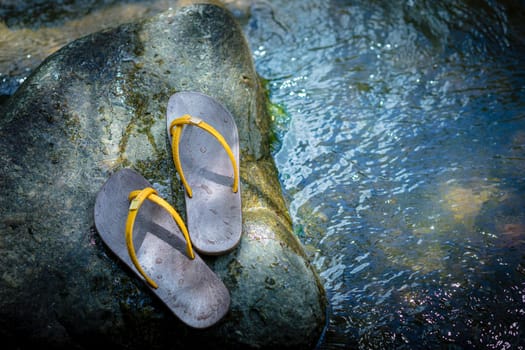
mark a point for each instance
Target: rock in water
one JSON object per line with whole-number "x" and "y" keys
{"x": 98, "y": 105}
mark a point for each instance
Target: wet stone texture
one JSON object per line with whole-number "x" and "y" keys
{"x": 98, "y": 105}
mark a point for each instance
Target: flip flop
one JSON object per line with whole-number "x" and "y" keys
{"x": 144, "y": 231}
{"x": 205, "y": 149}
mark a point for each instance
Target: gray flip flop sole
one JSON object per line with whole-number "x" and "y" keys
{"x": 189, "y": 288}
{"x": 214, "y": 211}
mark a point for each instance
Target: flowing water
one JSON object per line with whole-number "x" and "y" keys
{"x": 400, "y": 142}
{"x": 401, "y": 149}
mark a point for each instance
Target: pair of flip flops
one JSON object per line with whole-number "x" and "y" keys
{"x": 149, "y": 236}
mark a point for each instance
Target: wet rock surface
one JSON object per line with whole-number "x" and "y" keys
{"x": 98, "y": 105}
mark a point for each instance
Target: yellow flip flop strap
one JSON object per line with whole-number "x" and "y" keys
{"x": 175, "y": 134}
{"x": 137, "y": 198}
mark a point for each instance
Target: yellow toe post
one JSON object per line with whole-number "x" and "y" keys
{"x": 176, "y": 130}
{"x": 137, "y": 198}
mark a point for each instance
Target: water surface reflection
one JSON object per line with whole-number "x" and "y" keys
{"x": 402, "y": 158}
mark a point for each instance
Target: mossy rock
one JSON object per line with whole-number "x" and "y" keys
{"x": 96, "y": 106}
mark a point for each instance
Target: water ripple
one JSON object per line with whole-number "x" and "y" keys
{"x": 402, "y": 163}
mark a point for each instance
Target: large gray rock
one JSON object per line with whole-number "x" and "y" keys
{"x": 98, "y": 105}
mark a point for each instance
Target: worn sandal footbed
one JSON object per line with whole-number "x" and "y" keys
{"x": 205, "y": 149}
{"x": 148, "y": 235}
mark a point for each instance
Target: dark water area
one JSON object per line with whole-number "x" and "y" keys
{"x": 400, "y": 143}
{"x": 32, "y": 30}
{"x": 401, "y": 150}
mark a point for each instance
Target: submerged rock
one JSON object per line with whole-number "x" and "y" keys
{"x": 98, "y": 105}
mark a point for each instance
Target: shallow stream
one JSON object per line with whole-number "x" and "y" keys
{"x": 401, "y": 150}
{"x": 400, "y": 142}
